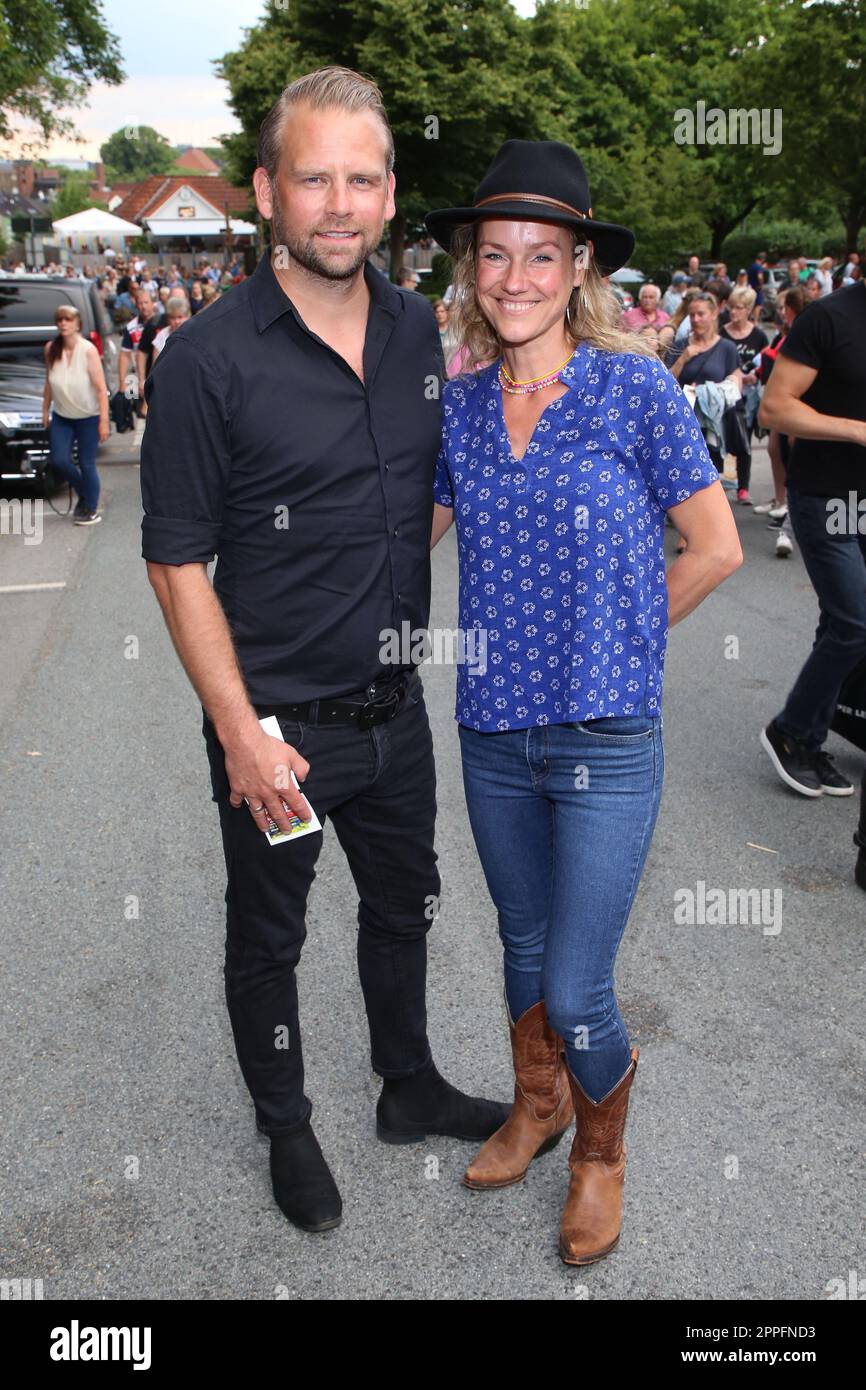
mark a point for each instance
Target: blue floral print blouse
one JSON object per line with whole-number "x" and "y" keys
{"x": 563, "y": 599}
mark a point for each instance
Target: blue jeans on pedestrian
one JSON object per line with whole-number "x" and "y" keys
{"x": 562, "y": 816}
{"x": 836, "y": 565}
{"x": 83, "y": 477}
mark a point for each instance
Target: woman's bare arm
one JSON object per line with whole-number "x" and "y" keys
{"x": 442, "y": 519}
{"x": 97, "y": 378}
{"x": 713, "y": 550}
{"x": 46, "y": 392}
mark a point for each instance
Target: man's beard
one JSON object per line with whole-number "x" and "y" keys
{"x": 306, "y": 253}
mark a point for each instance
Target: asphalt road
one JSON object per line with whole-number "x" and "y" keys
{"x": 130, "y": 1163}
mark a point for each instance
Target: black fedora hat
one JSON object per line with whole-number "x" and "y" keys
{"x": 541, "y": 181}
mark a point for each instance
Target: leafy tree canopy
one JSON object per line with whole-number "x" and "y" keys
{"x": 51, "y": 52}
{"x": 136, "y": 151}
{"x": 607, "y": 76}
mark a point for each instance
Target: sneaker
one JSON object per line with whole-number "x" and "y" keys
{"x": 784, "y": 546}
{"x": 743, "y": 496}
{"x": 776, "y": 525}
{"x": 87, "y": 518}
{"x": 830, "y": 777}
{"x": 79, "y": 510}
{"x": 793, "y": 760}
{"x": 762, "y": 508}
{"x": 780, "y": 512}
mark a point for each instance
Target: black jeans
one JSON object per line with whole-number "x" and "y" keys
{"x": 379, "y": 789}
{"x": 717, "y": 458}
{"x": 744, "y": 455}
{"x": 836, "y": 565}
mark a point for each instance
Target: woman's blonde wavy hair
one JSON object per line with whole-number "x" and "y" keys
{"x": 592, "y": 314}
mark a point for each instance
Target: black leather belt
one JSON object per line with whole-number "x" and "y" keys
{"x": 379, "y": 702}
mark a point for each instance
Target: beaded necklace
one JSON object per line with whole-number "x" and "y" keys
{"x": 525, "y": 388}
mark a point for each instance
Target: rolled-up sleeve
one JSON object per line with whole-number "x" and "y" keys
{"x": 443, "y": 488}
{"x": 443, "y": 483}
{"x": 670, "y": 446}
{"x": 185, "y": 456}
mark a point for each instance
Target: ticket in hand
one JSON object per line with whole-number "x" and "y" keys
{"x": 299, "y": 827}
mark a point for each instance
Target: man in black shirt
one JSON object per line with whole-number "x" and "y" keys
{"x": 817, "y": 395}
{"x": 144, "y": 351}
{"x": 293, "y": 429}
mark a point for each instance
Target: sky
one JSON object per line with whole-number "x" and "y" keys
{"x": 168, "y": 48}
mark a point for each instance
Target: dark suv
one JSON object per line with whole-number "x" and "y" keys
{"x": 27, "y": 307}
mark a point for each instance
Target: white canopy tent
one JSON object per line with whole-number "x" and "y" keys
{"x": 197, "y": 227}
{"x": 82, "y": 230}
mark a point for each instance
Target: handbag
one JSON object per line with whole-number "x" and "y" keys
{"x": 122, "y": 412}
{"x": 734, "y": 430}
{"x": 850, "y": 718}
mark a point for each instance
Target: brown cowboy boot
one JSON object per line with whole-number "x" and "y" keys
{"x": 593, "y": 1209}
{"x": 542, "y": 1109}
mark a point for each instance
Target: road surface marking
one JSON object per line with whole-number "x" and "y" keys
{"x": 27, "y": 588}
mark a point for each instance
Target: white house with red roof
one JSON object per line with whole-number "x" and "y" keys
{"x": 189, "y": 212}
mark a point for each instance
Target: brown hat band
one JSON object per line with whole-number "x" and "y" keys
{"x": 532, "y": 198}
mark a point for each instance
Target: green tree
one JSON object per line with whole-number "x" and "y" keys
{"x": 72, "y": 196}
{"x": 604, "y": 89}
{"x": 51, "y": 53}
{"x": 133, "y": 152}
{"x": 621, "y": 69}
{"x": 452, "y": 73}
{"x": 608, "y": 77}
{"x": 806, "y": 62}
{"x": 819, "y": 56}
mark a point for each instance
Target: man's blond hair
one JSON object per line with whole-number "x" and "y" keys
{"x": 332, "y": 87}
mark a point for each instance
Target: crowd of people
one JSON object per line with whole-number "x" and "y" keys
{"x": 720, "y": 342}
{"x": 120, "y": 282}
{"x": 720, "y": 338}
{"x": 717, "y": 336}
{"x": 562, "y": 566}
{"x": 574, "y": 615}
{"x": 146, "y": 305}
{"x": 118, "y": 274}
{"x": 714, "y": 333}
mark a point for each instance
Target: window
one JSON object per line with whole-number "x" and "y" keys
{"x": 32, "y": 306}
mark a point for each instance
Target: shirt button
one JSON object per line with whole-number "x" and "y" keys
{"x": 396, "y": 531}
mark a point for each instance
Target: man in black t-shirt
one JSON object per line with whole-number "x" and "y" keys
{"x": 817, "y": 395}
{"x": 144, "y": 349}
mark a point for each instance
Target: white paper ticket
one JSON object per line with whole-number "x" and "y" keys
{"x": 275, "y": 835}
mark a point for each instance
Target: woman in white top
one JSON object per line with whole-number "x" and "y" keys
{"x": 823, "y": 272}
{"x": 75, "y": 388}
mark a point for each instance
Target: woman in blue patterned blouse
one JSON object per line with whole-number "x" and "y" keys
{"x": 562, "y": 450}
